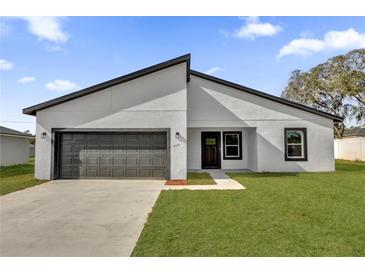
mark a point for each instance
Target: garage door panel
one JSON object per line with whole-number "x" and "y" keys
{"x": 70, "y": 172}
{"x": 118, "y": 161}
{"x": 145, "y": 149}
{"x": 145, "y": 172}
{"x": 132, "y": 149}
{"x": 67, "y": 137}
{"x": 78, "y": 137}
{"x": 132, "y": 139}
{"x": 159, "y": 150}
{"x": 67, "y": 160}
{"x": 158, "y": 161}
{"x": 145, "y": 161}
{"x": 119, "y": 139}
{"x": 117, "y": 154}
{"x": 106, "y": 172}
{"x": 157, "y": 173}
{"x": 119, "y": 149}
{"x": 105, "y": 138}
{"x": 92, "y": 138}
{"x": 77, "y": 147}
{"x": 131, "y": 172}
{"x": 66, "y": 148}
{"x": 132, "y": 160}
{"x": 105, "y": 160}
{"x": 118, "y": 172}
{"x": 146, "y": 139}
{"x": 105, "y": 148}
{"x": 92, "y": 148}
{"x": 66, "y": 172}
{"x": 159, "y": 139}
{"x": 92, "y": 160}
{"x": 91, "y": 172}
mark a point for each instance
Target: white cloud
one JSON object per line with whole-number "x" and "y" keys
{"x": 6, "y": 65}
{"x": 213, "y": 70}
{"x": 254, "y": 28}
{"x": 26, "y": 79}
{"x": 332, "y": 40}
{"x": 62, "y": 85}
{"x": 48, "y": 28}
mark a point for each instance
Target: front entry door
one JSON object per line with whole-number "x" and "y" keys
{"x": 211, "y": 150}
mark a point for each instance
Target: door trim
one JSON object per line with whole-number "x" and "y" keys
{"x": 203, "y": 135}
{"x": 56, "y": 147}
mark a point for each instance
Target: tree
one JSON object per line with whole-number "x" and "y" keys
{"x": 336, "y": 86}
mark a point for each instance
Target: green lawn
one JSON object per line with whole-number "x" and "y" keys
{"x": 279, "y": 214}
{"x": 13, "y": 178}
{"x": 200, "y": 178}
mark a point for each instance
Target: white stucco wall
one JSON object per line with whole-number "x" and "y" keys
{"x": 251, "y": 149}
{"x": 13, "y": 150}
{"x": 350, "y": 148}
{"x": 212, "y": 105}
{"x": 157, "y": 100}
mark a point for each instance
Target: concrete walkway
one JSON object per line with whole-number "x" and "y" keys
{"x": 76, "y": 217}
{"x": 223, "y": 182}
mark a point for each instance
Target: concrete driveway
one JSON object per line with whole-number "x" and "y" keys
{"x": 76, "y": 217}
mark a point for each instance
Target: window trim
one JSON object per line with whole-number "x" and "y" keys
{"x": 239, "y": 157}
{"x": 305, "y": 148}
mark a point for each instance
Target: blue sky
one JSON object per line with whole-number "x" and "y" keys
{"x": 43, "y": 58}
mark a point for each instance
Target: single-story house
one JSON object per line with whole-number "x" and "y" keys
{"x": 352, "y": 145}
{"x": 163, "y": 120}
{"x": 14, "y": 147}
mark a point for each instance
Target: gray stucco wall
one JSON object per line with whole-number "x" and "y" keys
{"x": 157, "y": 100}
{"x": 13, "y": 150}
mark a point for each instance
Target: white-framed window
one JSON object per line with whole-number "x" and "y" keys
{"x": 232, "y": 145}
{"x": 295, "y": 144}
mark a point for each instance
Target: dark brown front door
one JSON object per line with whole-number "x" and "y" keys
{"x": 210, "y": 150}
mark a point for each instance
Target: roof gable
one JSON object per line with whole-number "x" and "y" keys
{"x": 266, "y": 95}
{"x": 125, "y": 78}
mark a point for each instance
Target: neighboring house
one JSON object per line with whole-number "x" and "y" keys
{"x": 14, "y": 147}
{"x": 352, "y": 145}
{"x": 160, "y": 121}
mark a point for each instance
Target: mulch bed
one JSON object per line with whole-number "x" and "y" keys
{"x": 176, "y": 182}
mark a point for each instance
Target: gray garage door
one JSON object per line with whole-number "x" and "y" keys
{"x": 113, "y": 155}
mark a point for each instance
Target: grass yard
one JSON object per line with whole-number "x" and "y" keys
{"x": 200, "y": 178}
{"x": 279, "y": 214}
{"x": 13, "y": 178}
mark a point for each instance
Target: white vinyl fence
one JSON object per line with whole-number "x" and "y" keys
{"x": 350, "y": 149}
